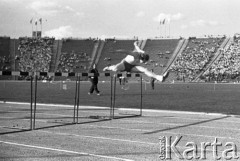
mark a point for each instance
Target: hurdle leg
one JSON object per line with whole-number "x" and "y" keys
{"x": 78, "y": 91}
{"x": 35, "y": 103}
{"x": 31, "y": 104}
{"x": 141, "y": 98}
{"x": 75, "y": 101}
{"x": 114, "y": 95}
{"x": 111, "y": 98}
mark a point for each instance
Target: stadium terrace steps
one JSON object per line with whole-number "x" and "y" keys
{"x": 94, "y": 53}
{"x": 99, "y": 51}
{"x": 13, "y": 50}
{"x": 143, "y": 44}
{"x": 54, "y": 56}
{"x": 58, "y": 53}
{"x": 180, "y": 47}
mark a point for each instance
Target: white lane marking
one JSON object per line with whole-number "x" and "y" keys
{"x": 121, "y": 140}
{"x": 64, "y": 151}
{"x": 167, "y": 132}
{"x": 56, "y": 105}
{"x": 98, "y": 137}
{"x": 174, "y": 124}
{"x": 197, "y": 119}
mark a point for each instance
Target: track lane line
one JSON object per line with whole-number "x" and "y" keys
{"x": 174, "y": 124}
{"x": 64, "y": 151}
{"x": 175, "y": 133}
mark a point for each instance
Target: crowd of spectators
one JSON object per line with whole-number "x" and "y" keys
{"x": 34, "y": 54}
{"x": 195, "y": 57}
{"x": 68, "y": 62}
{"x": 5, "y": 63}
{"x": 227, "y": 66}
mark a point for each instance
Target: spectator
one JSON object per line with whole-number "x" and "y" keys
{"x": 94, "y": 81}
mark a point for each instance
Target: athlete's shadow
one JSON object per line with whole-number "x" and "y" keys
{"x": 182, "y": 126}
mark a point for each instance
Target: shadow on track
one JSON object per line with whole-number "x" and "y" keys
{"x": 177, "y": 127}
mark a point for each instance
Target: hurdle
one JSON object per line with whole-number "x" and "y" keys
{"x": 75, "y": 116}
{"x": 113, "y": 91}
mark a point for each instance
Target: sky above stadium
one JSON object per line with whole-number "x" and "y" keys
{"x": 119, "y": 18}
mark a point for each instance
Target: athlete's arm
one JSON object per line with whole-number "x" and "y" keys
{"x": 137, "y": 48}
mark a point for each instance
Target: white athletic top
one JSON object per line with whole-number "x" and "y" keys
{"x": 129, "y": 59}
{"x": 133, "y": 59}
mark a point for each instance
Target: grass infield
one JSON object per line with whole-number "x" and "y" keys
{"x": 196, "y": 97}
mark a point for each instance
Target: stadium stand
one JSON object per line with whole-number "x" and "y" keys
{"x": 225, "y": 43}
{"x": 226, "y": 67}
{"x": 5, "y": 58}
{"x": 75, "y": 55}
{"x": 195, "y": 57}
{"x": 35, "y": 54}
{"x": 190, "y": 60}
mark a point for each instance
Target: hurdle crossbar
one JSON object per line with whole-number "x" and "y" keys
{"x": 59, "y": 74}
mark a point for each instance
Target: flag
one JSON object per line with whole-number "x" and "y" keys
{"x": 31, "y": 21}
{"x": 40, "y": 20}
{"x": 163, "y": 22}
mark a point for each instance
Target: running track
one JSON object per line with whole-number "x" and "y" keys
{"x": 135, "y": 138}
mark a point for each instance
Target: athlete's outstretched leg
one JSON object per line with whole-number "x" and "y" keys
{"x": 115, "y": 68}
{"x": 148, "y": 73}
{"x": 110, "y": 68}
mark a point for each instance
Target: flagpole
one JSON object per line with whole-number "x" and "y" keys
{"x": 165, "y": 27}
{"x": 160, "y": 31}
{"x": 169, "y": 30}
{"x": 32, "y": 26}
{"x": 36, "y": 23}
{"x": 40, "y": 20}
{"x": 32, "y": 29}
